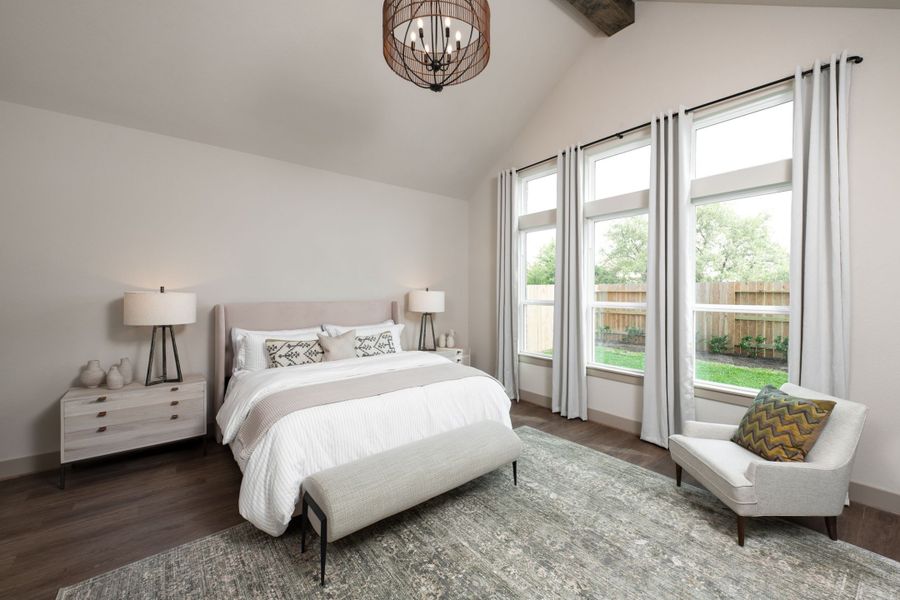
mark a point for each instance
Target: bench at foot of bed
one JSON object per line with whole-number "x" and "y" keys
{"x": 345, "y": 499}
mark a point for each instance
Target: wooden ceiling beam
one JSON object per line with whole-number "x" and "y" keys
{"x": 610, "y": 16}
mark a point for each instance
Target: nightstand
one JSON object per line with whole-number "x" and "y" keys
{"x": 98, "y": 422}
{"x": 457, "y": 355}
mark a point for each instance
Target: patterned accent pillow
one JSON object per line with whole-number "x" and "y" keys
{"x": 375, "y": 344}
{"x": 290, "y": 353}
{"x": 780, "y": 427}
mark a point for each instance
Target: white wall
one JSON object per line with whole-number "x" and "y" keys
{"x": 90, "y": 210}
{"x": 690, "y": 53}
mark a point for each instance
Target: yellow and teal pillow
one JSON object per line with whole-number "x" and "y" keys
{"x": 780, "y": 427}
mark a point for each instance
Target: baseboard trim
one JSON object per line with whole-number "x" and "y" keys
{"x": 875, "y": 497}
{"x": 28, "y": 465}
{"x": 597, "y": 416}
{"x": 860, "y": 493}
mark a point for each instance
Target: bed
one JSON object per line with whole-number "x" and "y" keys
{"x": 306, "y": 441}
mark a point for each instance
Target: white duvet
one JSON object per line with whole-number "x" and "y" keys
{"x": 310, "y": 440}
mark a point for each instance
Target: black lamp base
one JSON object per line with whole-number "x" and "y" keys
{"x": 165, "y": 371}
{"x": 426, "y": 317}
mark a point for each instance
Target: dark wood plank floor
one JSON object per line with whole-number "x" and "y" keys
{"x": 118, "y": 510}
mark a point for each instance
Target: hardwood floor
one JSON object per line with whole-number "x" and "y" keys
{"x": 118, "y": 510}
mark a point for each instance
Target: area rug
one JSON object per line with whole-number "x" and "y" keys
{"x": 579, "y": 524}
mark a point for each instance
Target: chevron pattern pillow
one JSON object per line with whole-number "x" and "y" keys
{"x": 375, "y": 345}
{"x": 780, "y": 427}
{"x": 290, "y": 353}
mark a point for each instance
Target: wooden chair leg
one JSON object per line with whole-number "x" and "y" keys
{"x": 678, "y": 475}
{"x": 831, "y": 526}
{"x": 741, "y": 523}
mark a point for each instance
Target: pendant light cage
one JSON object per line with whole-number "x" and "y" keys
{"x": 436, "y": 43}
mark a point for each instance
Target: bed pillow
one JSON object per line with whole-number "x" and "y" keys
{"x": 339, "y": 347}
{"x": 293, "y": 353}
{"x": 369, "y": 330}
{"x": 376, "y": 344}
{"x": 780, "y": 427}
{"x": 249, "y": 347}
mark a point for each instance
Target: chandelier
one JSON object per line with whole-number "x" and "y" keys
{"x": 436, "y": 43}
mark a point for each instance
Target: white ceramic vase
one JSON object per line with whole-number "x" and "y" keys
{"x": 442, "y": 340}
{"x": 92, "y": 375}
{"x": 451, "y": 341}
{"x": 114, "y": 379}
{"x": 127, "y": 370}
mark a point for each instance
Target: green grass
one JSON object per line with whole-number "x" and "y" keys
{"x": 748, "y": 377}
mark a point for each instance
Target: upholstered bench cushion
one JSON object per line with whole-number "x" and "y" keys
{"x": 363, "y": 492}
{"x": 720, "y": 465}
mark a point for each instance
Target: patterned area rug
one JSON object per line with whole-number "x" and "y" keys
{"x": 580, "y": 524}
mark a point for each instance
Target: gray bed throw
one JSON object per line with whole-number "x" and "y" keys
{"x": 270, "y": 409}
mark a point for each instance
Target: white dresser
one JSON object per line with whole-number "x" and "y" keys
{"x": 457, "y": 355}
{"x": 98, "y": 422}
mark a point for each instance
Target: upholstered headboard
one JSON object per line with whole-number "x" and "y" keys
{"x": 286, "y": 315}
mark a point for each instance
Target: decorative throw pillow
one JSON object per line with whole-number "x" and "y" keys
{"x": 339, "y": 347}
{"x": 782, "y": 428}
{"x": 375, "y": 345}
{"x": 290, "y": 353}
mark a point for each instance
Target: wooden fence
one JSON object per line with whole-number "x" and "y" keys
{"x": 626, "y": 326}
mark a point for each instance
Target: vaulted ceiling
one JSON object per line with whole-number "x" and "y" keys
{"x": 302, "y": 81}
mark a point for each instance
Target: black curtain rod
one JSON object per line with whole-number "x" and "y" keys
{"x": 624, "y": 132}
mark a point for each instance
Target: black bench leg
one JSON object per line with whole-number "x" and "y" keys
{"x": 515, "y": 475}
{"x": 304, "y": 519}
{"x": 324, "y": 548}
{"x": 310, "y": 504}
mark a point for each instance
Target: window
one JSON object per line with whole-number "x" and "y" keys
{"x": 742, "y": 242}
{"x": 618, "y": 181}
{"x": 619, "y": 297}
{"x": 757, "y": 138}
{"x": 537, "y": 259}
{"x": 539, "y": 192}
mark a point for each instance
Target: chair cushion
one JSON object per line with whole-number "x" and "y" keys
{"x": 720, "y": 465}
{"x": 780, "y": 427}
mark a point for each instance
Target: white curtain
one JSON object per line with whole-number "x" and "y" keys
{"x": 569, "y": 323}
{"x": 507, "y": 287}
{"x": 820, "y": 268}
{"x": 669, "y": 368}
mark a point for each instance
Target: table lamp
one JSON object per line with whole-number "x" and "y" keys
{"x": 428, "y": 303}
{"x": 161, "y": 310}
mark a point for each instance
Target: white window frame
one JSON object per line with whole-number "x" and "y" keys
{"x": 528, "y": 223}
{"x": 757, "y": 180}
{"x": 605, "y": 209}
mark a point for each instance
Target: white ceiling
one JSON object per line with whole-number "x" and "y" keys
{"x": 302, "y": 81}
{"x": 821, "y": 3}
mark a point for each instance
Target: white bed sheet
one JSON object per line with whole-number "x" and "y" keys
{"x": 318, "y": 438}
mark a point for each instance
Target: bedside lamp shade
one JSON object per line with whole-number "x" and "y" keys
{"x": 160, "y": 308}
{"x": 426, "y": 301}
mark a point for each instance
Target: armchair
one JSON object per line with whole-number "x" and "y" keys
{"x": 754, "y": 487}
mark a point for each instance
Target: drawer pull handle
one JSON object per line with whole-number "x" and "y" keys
{"x": 101, "y": 429}
{"x": 101, "y": 414}
{"x": 174, "y": 417}
{"x": 174, "y": 403}
{"x": 101, "y": 399}
{"x": 174, "y": 389}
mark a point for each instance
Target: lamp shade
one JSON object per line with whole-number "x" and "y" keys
{"x": 160, "y": 308}
{"x": 426, "y": 301}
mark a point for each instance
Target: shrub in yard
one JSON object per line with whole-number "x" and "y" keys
{"x": 633, "y": 334}
{"x": 718, "y": 344}
{"x": 752, "y": 346}
{"x": 781, "y": 345}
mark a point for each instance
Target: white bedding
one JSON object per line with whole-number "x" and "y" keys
{"x": 318, "y": 438}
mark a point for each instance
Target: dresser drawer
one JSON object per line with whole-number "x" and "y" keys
{"x": 135, "y": 397}
{"x": 162, "y": 426}
{"x": 119, "y": 414}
